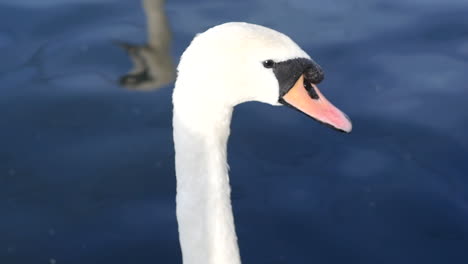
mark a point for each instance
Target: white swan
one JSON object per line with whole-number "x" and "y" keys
{"x": 227, "y": 65}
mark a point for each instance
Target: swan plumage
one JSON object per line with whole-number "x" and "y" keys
{"x": 227, "y": 65}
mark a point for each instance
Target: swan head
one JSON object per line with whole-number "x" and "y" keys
{"x": 238, "y": 62}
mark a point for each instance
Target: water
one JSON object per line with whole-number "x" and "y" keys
{"x": 86, "y": 166}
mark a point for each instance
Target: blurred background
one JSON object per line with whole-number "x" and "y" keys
{"x": 86, "y": 151}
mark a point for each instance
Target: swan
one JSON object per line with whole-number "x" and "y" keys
{"x": 227, "y": 65}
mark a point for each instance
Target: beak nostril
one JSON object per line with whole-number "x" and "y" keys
{"x": 310, "y": 90}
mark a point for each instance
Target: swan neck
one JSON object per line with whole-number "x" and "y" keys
{"x": 204, "y": 213}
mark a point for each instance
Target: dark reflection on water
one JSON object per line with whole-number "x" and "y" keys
{"x": 86, "y": 167}
{"x": 153, "y": 63}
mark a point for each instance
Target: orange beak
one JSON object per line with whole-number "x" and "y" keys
{"x": 316, "y": 106}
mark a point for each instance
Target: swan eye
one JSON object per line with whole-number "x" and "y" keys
{"x": 268, "y": 64}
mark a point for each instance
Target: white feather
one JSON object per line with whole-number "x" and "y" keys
{"x": 221, "y": 68}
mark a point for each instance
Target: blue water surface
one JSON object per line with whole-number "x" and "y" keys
{"x": 87, "y": 166}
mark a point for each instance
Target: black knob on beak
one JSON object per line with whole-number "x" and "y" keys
{"x": 314, "y": 74}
